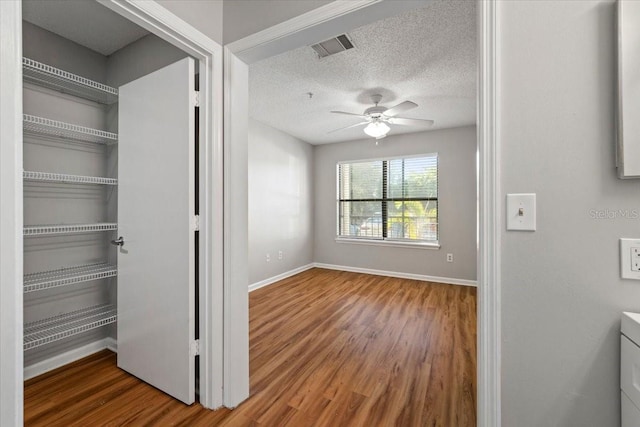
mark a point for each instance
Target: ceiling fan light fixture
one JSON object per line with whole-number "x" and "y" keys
{"x": 377, "y": 129}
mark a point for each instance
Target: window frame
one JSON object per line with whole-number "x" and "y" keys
{"x": 388, "y": 241}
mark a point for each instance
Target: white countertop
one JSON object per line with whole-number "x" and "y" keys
{"x": 631, "y": 326}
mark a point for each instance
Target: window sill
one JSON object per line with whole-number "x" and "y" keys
{"x": 397, "y": 244}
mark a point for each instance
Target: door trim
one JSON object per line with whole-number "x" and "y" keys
{"x": 164, "y": 24}
{"x": 325, "y": 19}
{"x": 490, "y": 219}
{"x": 236, "y": 290}
{"x": 11, "y": 245}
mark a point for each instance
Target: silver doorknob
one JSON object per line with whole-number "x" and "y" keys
{"x": 118, "y": 242}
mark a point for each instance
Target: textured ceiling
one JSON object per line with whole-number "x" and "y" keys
{"x": 87, "y": 23}
{"x": 427, "y": 56}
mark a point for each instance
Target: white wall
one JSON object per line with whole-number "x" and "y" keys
{"x": 561, "y": 289}
{"x": 456, "y": 150}
{"x": 280, "y": 201}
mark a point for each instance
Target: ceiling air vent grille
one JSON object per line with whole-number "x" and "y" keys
{"x": 333, "y": 46}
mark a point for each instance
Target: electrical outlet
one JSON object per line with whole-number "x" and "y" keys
{"x": 630, "y": 258}
{"x": 280, "y": 255}
{"x": 449, "y": 257}
{"x": 268, "y": 257}
{"x": 635, "y": 258}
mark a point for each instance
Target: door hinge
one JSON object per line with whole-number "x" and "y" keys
{"x": 194, "y": 348}
{"x": 195, "y": 224}
{"x": 196, "y": 98}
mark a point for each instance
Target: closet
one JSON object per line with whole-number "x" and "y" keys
{"x": 109, "y": 202}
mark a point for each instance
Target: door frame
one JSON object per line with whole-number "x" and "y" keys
{"x": 164, "y": 24}
{"x": 333, "y": 18}
{"x": 11, "y": 246}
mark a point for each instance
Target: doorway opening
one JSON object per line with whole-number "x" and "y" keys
{"x": 291, "y": 97}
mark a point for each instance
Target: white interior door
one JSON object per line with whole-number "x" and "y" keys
{"x": 156, "y": 263}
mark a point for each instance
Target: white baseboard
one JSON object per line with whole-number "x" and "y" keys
{"x": 111, "y": 344}
{"x": 423, "y": 277}
{"x": 68, "y": 357}
{"x": 270, "y": 280}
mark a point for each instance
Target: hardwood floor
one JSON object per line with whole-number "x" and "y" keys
{"x": 327, "y": 348}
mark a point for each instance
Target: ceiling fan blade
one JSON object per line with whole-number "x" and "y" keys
{"x": 348, "y": 114}
{"x": 400, "y": 108}
{"x": 349, "y": 127}
{"x": 410, "y": 122}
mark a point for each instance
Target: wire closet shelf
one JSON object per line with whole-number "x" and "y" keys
{"x": 44, "y": 230}
{"x": 53, "y": 128}
{"x": 68, "y": 276}
{"x": 63, "y": 81}
{"x": 65, "y": 325}
{"x": 67, "y": 179}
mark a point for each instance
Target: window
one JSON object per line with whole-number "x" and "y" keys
{"x": 393, "y": 199}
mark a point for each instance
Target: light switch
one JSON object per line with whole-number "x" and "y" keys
{"x": 521, "y": 212}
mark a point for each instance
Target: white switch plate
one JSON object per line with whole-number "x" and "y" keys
{"x": 630, "y": 258}
{"x": 521, "y": 212}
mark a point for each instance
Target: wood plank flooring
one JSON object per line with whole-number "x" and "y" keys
{"x": 327, "y": 348}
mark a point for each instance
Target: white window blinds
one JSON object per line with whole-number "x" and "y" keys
{"x": 393, "y": 199}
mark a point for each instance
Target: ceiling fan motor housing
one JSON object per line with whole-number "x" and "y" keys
{"x": 375, "y": 112}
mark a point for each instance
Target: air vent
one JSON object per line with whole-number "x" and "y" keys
{"x": 333, "y": 46}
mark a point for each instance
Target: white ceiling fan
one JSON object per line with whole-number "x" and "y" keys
{"x": 378, "y": 118}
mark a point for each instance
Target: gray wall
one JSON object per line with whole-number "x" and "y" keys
{"x": 245, "y": 17}
{"x": 206, "y": 16}
{"x": 63, "y": 204}
{"x": 145, "y": 55}
{"x": 456, "y": 150}
{"x": 45, "y": 46}
{"x": 561, "y": 289}
{"x": 280, "y": 201}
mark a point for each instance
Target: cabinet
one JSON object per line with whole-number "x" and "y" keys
{"x": 56, "y": 200}
{"x": 630, "y": 370}
{"x": 628, "y": 143}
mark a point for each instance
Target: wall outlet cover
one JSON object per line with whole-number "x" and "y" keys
{"x": 630, "y": 259}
